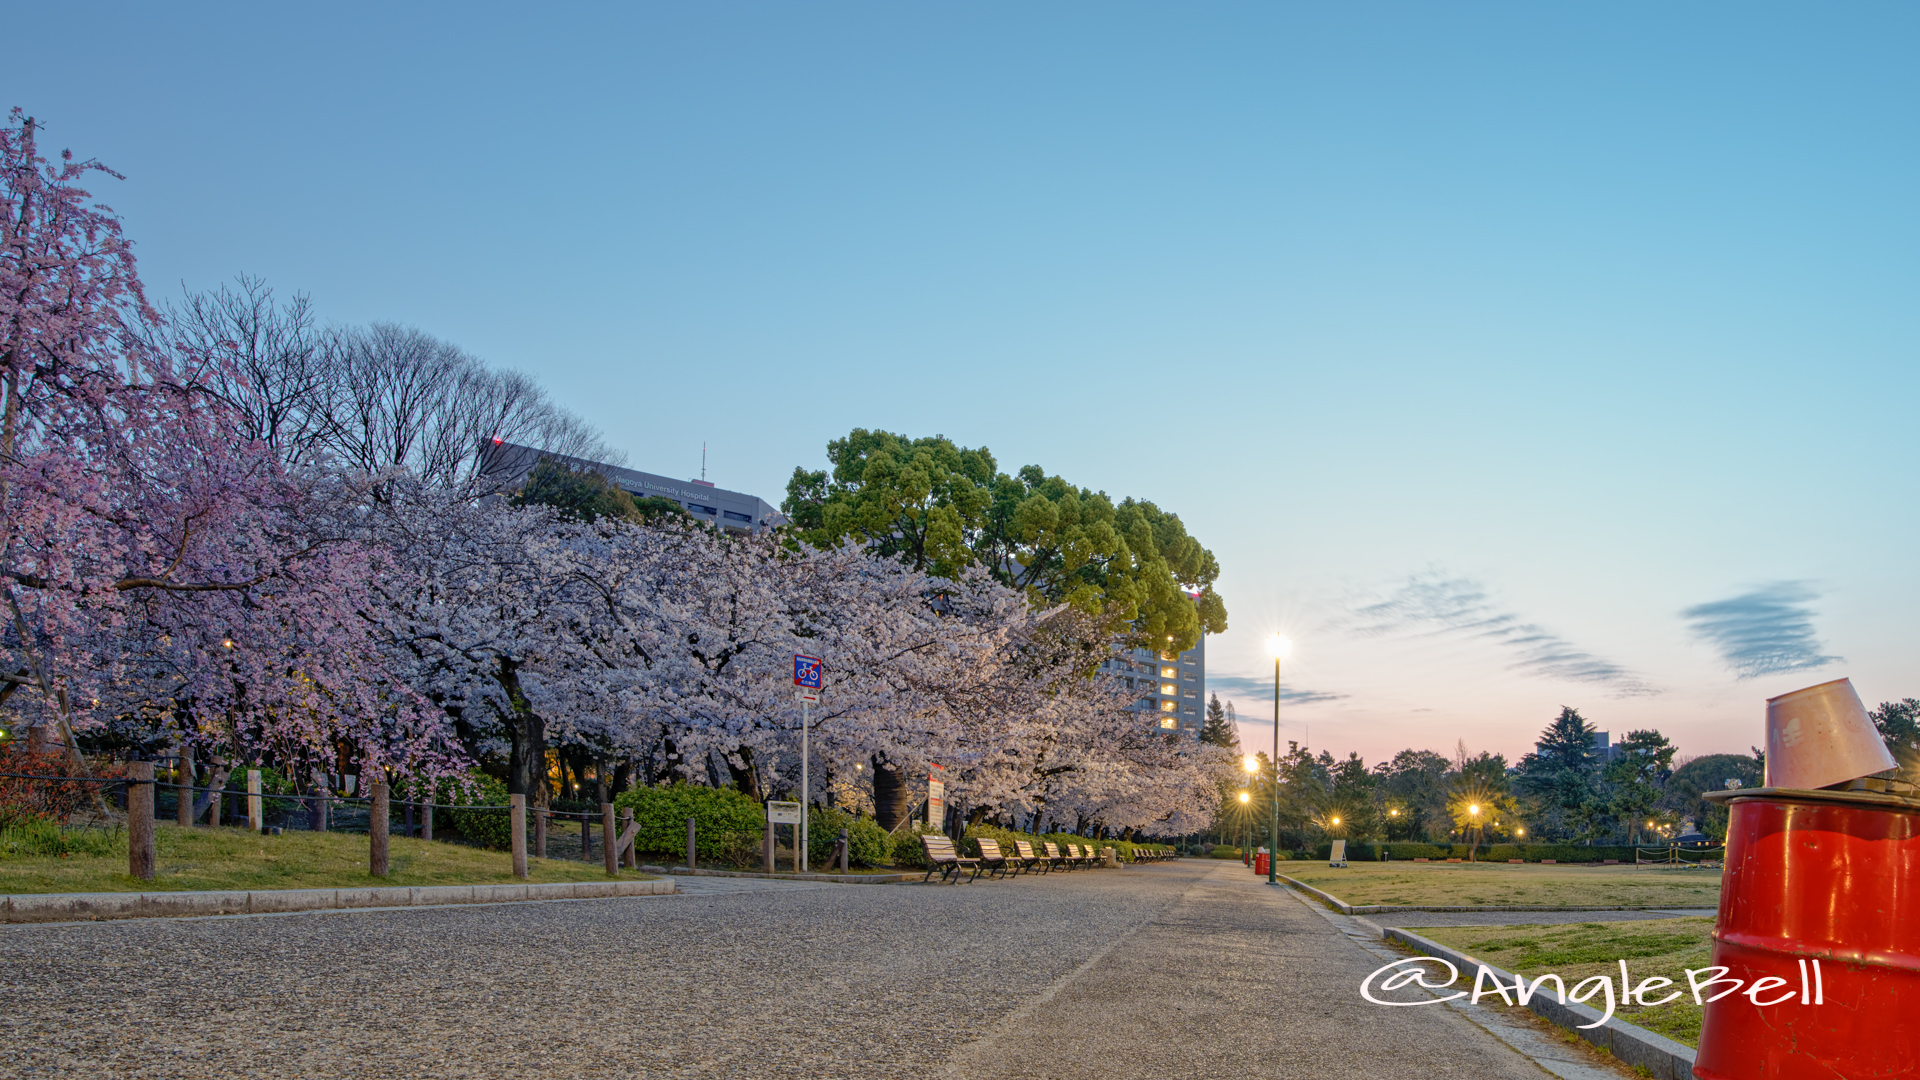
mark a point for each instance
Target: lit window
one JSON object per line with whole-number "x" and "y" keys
{"x": 1166, "y": 706}
{"x": 1168, "y": 672}
{"x": 1168, "y": 722}
{"x": 1169, "y": 657}
{"x": 1169, "y": 689}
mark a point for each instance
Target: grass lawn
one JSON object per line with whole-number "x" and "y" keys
{"x": 1449, "y": 884}
{"x": 1662, "y": 947}
{"x": 203, "y": 858}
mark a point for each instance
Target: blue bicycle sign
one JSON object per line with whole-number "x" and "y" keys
{"x": 806, "y": 671}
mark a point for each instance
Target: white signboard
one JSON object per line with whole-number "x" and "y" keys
{"x": 783, "y": 813}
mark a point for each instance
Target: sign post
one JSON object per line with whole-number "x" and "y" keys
{"x": 784, "y": 813}
{"x": 806, "y": 687}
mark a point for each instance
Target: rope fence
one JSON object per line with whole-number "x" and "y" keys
{"x": 140, "y": 785}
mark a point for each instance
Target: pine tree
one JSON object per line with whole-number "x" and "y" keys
{"x": 1220, "y": 730}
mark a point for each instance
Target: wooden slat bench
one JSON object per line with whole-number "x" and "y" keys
{"x": 991, "y": 859}
{"x": 945, "y": 859}
{"x": 1058, "y": 858}
{"x": 1028, "y": 858}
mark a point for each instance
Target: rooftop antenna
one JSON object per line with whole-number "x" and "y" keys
{"x": 703, "y": 461}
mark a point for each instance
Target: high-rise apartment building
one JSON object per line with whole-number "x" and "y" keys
{"x": 1170, "y": 688}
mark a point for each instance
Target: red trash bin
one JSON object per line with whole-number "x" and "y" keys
{"x": 1825, "y": 875}
{"x": 1260, "y": 863}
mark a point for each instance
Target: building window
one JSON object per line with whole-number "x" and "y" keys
{"x": 1168, "y": 672}
{"x": 1166, "y": 706}
{"x": 1189, "y": 710}
{"x": 1146, "y": 703}
{"x": 698, "y": 509}
{"x": 1168, "y": 722}
{"x": 731, "y": 516}
{"x": 1169, "y": 657}
{"x": 1189, "y": 693}
{"x": 1168, "y": 689}
{"x": 1188, "y": 676}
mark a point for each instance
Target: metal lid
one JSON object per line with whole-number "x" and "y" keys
{"x": 1882, "y": 799}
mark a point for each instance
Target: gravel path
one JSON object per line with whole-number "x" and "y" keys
{"x": 1170, "y": 970}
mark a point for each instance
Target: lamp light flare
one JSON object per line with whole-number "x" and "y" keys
{"x": 1278, "y": 646}
{"x": 1336, "y": 821}
{"x": 1244, "y": 797}
{"x": 1252, "y": 764}
{"x": 1474, "y": 809}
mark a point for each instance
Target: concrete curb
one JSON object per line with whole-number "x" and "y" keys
{"x": 838, "y": 879}
{"x": 1629, "y": 1043}
{"x": 78, "y": 907}
{"x": 1374, "y": 909}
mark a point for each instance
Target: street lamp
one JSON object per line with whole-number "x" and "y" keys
{"x": 1278, "y": 647}
{"x": 1245, "y": 798}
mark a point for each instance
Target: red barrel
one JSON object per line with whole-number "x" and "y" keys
{"x": 1260, "y": 863}
{"x": 1827, "y": 876}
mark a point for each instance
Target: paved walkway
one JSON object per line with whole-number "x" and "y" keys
{"x": 1167, "y": 971}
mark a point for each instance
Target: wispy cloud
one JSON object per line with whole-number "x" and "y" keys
{"x": 1764, "y": 631}
{"x": 1435, "y": 604}
{"x": 1260, "y": 688}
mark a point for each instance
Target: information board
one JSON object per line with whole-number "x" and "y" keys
{"x": 783, "y": 813}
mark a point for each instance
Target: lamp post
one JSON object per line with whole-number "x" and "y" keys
{"x": 1247, "y": 817}
{"x": 1278, "y": 647}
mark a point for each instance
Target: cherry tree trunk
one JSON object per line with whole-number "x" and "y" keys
{"x": 892, "y": 797}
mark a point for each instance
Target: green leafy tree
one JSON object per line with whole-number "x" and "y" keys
{"x": 941, "y": 507}
{"x": 1219, "y": 729}
{"x": 1695, "y": 778}
{"x": 1899, "y": 725}
{"x": 1479, "y": 795}
{"x": 1637, "y": 778}
{"x": 1413, "y": 787}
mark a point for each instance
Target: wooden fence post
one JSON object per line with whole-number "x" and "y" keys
{"x": 140, "y": 820}
{"x": 766, "y": 846}
{"x": 255, "y": 819}
{"x": 607, "y": 838}
{"x": 517, "y": 825}
{"x": 377, "y": 821}
{"x": 426, "y": 823}
{"x": 843, "y": 851}
{"x": 185, "y": 777}
{"x": 632, "y": 854}
{"x": 539, "y": 832}
{"x": 692, "y": 850}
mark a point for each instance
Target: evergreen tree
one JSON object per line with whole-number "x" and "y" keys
{"x": 1219, "y": 728}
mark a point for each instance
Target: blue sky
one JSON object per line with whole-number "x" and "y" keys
{"x": 1508, "y": 356}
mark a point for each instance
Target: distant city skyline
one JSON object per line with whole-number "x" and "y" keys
{"x": 1508, "y": 357}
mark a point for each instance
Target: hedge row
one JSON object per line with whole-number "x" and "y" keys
{"x": 1401, "y": 851}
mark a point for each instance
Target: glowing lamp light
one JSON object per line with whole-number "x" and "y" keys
{"x": 497, "y": 440}
{"x": 1252, "y": 764}
{"x": 1519, "y": 832}
{"x": 1474, "y": 809}
{"x": 1245, "y": 798}
{"x": 228, "y": 642}
{"x": 1278, "y": 647}
{"x": 1393, "y": 813}
{"x": 1336, "y": 821}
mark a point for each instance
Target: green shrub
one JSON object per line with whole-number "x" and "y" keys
{"x": 905, "y": 841}
{"x": 867, "y": 843}
{"x": 728, "y": 824}
{"x": 1222, "y": 851}
{"x": 488, "y": 828}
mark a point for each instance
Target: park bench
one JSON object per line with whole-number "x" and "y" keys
{"x": 991, "y": 859}
{"x": 945, "y": 859}
{"x": 1049, "y": 860}
{"x": 1058, "y": 859}
{"x": 1079, "y": 855}
{"x": 1027, "y": 857}
{"x": 1089, "y": 856}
